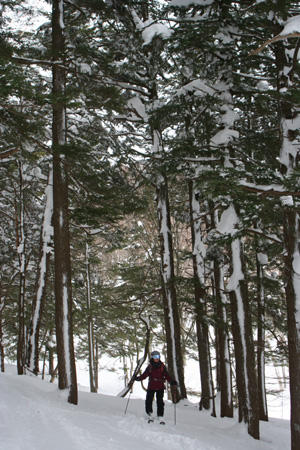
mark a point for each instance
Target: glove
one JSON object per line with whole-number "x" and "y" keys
{"x": 173, "y": 383}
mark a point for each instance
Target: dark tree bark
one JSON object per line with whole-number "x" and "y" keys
{"x": 62, "y": 263}
{"x": 262, "y": 396}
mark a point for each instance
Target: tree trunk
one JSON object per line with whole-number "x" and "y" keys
{"x": 225, "y": 378}
{"x": 50, "y": 349}
{"x": 62, "y": 263}
{"x": 207, "y": 386}
{"x": 93, "y": 368}
{"x": 40, "y": 289}
{"x": 222, "y": 348}
{"x": 3, "y": 300}
{"x": 262, "y": 396}
{"x": 171, "y": 314}
{"x": 22, "y": 267}
{"x": 242, "y": 328}
{"x": 243, "y": 341}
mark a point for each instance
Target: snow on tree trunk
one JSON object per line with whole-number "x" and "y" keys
{"x": 262, "y": 396}
{"x": 63, "y": 292}
{"x": 241, "y": 327}
{"x": 22, "y": 268}
{"x": 40, "y": 289}
{"x": 93, "y": 366}
{"x": 207, "y": 387}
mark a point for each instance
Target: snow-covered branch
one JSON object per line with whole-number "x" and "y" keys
{"x": 276, "y": 190}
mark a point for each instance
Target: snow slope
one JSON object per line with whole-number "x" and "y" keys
{"x": 34, "y": 415}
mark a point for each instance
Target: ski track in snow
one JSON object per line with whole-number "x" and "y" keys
{"x": 34, "y": 415}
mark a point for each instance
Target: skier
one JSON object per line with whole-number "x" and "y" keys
{"x": 157, "y": 373}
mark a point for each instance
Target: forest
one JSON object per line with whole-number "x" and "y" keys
{"x": 149, "y": 180}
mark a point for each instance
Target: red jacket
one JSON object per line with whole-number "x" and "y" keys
{"x": 157, "y": 373}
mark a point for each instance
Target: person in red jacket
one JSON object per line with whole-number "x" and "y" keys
{"x": 157, "y": 373}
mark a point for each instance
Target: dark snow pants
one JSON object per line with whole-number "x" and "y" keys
{"x": 159, "y": 401}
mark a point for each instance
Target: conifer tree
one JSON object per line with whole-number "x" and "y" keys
{"x": 283, "y": 55}
{"x": 143, "y": 83}
{"x": 63, "y": 289}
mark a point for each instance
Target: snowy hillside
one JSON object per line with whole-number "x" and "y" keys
{"x": 34, "y": 415}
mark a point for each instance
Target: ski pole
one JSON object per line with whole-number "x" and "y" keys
{"x": 127, "y": 402}
{"x": 129, "y": 385}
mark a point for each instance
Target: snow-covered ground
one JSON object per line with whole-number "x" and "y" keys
{"x": 111, "y": 383}
{"x": 34, "y": 415}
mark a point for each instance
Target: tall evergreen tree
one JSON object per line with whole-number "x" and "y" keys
{"x": 63, "y": 286}
{"x": 284, "y": 57}
{"x": 142, "y": 80}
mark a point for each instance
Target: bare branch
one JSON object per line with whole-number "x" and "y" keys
{"x": 9, "y": 153}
